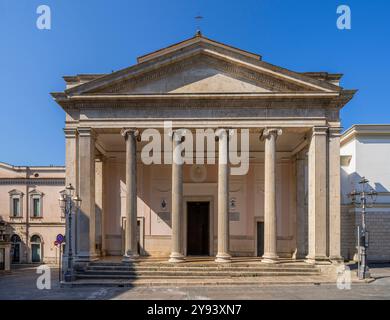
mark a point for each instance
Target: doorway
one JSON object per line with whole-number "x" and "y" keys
{"x": 15, "y": 248}
{"x": 198, "y": 231}
{"x": 36, "y": 249}
{"x": 260, "y": 239}
{"x": 2, "y": 259}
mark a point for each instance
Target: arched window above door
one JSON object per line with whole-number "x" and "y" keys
{"x": 35, "y": 239}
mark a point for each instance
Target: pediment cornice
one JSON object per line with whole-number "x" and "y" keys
{"x": 274, "y": 77}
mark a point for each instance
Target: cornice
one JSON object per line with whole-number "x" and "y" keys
{"x": 367, "y": 130}
{"x": 253, "y": 65}
{"x": 21, "y": 181}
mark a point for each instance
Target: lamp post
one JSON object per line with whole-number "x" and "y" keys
{"x": 69, "y": 204}
{"x": 2, "y": 230}
{"x": 363, "y": 198}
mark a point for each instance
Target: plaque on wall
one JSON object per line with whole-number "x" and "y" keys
{"x": 234, "y": 216}
{"x": 233, "y": 203}
{"x": 164, "y": 217}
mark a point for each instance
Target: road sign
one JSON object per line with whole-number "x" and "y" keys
{"x": 60, "y": 238}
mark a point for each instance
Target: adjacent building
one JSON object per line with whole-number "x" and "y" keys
{"x": 29, "y": 206}
{"x": 365, "y": 152}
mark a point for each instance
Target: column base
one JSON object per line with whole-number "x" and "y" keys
{"x": 130, "y": 257}
{"x": 319, "y": 260}
{"x": 85, "y": 258}
{"x": 176, "y": 257}
{"x": 336, "y": 259}
{"x": 270, "y": 258}
{"x": 299, "y": 255}
{"x": 223, "y": 258}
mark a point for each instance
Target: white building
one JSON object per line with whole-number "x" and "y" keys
{"x": 365, "y": 152}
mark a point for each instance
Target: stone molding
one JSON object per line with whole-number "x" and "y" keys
{"x": 70, "y": 133}
{"x": 21, "y": 181}
{"x": 261, "y": 79}
{"x": 86, "y": 132}
{"x": 320, "y": 131}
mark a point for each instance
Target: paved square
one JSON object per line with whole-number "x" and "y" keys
{"x": 21, "y": 285}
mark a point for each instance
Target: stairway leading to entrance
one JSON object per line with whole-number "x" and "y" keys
{"x": 197, "y": 271}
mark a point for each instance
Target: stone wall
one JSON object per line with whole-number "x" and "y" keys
{"x": 378, "y": 225}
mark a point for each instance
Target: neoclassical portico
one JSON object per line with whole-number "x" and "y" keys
{"x": 285, "y": 205}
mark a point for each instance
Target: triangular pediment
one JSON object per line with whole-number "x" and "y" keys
{"x": 200, "y": 65}
{"x": 196, "y": 75}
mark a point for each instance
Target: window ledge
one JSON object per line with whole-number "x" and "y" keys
{"x": 36, "y": 218}
{"x": 15, "y": 218}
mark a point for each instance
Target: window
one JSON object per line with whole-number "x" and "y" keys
{"x": 35, "y": 204}
{"x": 16, "y": 201}
{"x": 36, "y": 207}
{"x": 16, "y": 207}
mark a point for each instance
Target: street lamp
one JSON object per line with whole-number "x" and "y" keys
{"x": 69, "y": 204}
{"x": 364, "y": 198}
{"x": 2, "y": 230}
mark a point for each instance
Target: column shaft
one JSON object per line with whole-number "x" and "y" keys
{"x": 86, "y": 241}
{"x": 71, "y": 177}
{"x": 177, "y": 197}
{"x": 317, "y": 221}
{"x": 131, "y": 241}
{"x": 301, "y": 221}
{"x": 223, "y": 197}
{"x": 99, "y": 197}
{"x": 270, "y": 232}
{"x": 334, "y": 195}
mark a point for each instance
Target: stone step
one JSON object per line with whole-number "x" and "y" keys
{"x": 257, "y": 281}
{"x": 195, "y": 270}
{"x": 111, "y": 275}
{"x": 198, "y": 266}
{"x": 204, "y": 268}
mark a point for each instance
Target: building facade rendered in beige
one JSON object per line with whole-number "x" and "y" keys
{"x": 287, "y": 204}
{"x": 29, "y": 207}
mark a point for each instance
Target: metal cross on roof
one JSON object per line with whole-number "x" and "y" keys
{"x": 198, "y": 18}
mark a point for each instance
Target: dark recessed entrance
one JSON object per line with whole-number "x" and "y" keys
{"x": 260, "y": 239}
{"x": 198, "y": 228}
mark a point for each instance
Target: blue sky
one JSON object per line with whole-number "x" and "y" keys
{"x": 98, "y": 36}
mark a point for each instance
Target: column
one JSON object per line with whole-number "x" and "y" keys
{"x": 131, "y": 241}
{"x": 99, "y": 195}
{"x": 177, "y": 196}
{"x": 317, "y": 221}
{"x": 223, "y": 255}
{"x": 334, "y": 197}
{"x": 301, "y": 221}
{"x": 86, "y": 241}
{"x": 270, "y": 234}
{"x": 71, "y": 177}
